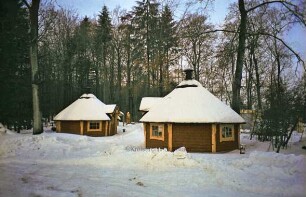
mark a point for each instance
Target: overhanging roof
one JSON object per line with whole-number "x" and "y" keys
{"x": 87, "y": 107}
{"x": 190, "y": 102}
{"x": 147, "y": 102}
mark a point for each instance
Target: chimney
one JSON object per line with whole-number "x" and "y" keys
{"x": 188, "y": 73}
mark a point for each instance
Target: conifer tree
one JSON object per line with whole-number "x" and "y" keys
{"x": 15, "y": 72}
{"x": 103, "y": 42}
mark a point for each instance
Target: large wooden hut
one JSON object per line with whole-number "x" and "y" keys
{"x": 192, "y": 117}
{"x": 88, "y": 116}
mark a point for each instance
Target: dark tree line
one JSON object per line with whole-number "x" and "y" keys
{"x": 15, "y": 72}
{"x": 119, "y": 62}
{"x": 122, "y": 56}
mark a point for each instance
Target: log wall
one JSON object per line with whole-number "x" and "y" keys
{"x": 154, "y": 143}
{"x": 228, "y": 145}
{"x": 194, "y": 137}
{"x": 100, "y": 133}
{"x": 72, "y": 127}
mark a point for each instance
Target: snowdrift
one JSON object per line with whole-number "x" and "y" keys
{"x": 53, "y": 164}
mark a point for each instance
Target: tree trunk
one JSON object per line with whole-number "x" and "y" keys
{"x": 249, "y": 84}
{"x": 161, "y": 79}
{"x": 257, "y": 83}
{"x": 148, "y": 51}
{"x": 129, "y": 108}
{"x": 112, "y": 75}
{"x": 97, "y": 79}
{"x": 104, "y": 68}
{"x": 37, "y": 123}
{"x": 167, "y": 72}
{"x": 198, "y": 58}
{"x": 280, "y": 144}
{"x": 277, "y": 57}
{"x": 119, "y": 76}
{"x": 236, "y": 101}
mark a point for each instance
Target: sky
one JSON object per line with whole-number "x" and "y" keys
{"x": 217, "y": 12}
{"x": 91, "y": 8}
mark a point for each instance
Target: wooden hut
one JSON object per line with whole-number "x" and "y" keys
{"x": 88, "y": 116}
{"x": 192, "y": 117}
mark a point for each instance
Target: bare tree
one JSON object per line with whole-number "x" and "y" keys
{"x": 236, "y": 86}
{"x": 33, "y": 10}
{"x": 194, "y": 42}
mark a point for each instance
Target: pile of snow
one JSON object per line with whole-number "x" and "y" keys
{"x": 180, "y": 153}
{"x": 57, "y": 164}
{"x": 2, "y": 128}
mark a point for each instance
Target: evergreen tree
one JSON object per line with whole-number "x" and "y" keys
{"x": 83, "y": 42}
{"x": 15, "y": 72}
{"x": 167, "y": 43}
{"x": 102, "y": 45}
{"x": 146, "y": 37}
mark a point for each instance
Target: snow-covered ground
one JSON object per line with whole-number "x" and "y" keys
{"x": 53, "y": 164}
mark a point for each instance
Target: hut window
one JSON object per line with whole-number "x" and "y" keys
{"x": 94, "y": 126}
{"x": 226, "y": 132}
{"x": 157, "y": 131}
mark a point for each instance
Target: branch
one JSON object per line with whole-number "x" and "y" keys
{"x": 220, "y": 30}
{"x": 294, "y": 13}
{"x": 26, "y": 3}
{"x": 285, "y": 44}
{"x": 264, "y": 3}
{"x": 285, "y": 4}
{"x": 263, "y": 34}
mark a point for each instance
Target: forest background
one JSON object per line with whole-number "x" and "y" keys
{"x": 123, "y": 55}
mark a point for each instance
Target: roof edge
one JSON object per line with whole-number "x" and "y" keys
{"x": 195, "y": 122}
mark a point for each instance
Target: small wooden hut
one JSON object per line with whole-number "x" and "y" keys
{"x": 88, "y": 116}
{"x": 192, "y": 117}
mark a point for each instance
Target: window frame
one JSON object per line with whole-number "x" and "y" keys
{"x": 96, "y": 122}
{"x": 227, "y": 138}
{"x": 161, "y": 129}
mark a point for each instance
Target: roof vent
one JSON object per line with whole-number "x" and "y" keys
{"x": 188, "y": 73}
{"x": 188, "y": 82}
{"x": 87, "y": 96}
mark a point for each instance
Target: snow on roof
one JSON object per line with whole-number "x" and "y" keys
{"x": 110, "y": 108}
{"x": 190, "y": 102}
{"x": 147, "y": 102}
{"x": 87, "y": 107}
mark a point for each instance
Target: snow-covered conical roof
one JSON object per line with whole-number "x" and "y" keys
{"x": 190, "y": 102}
{"x": 87, "y": 107}
{"x": 147, "y": 102}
